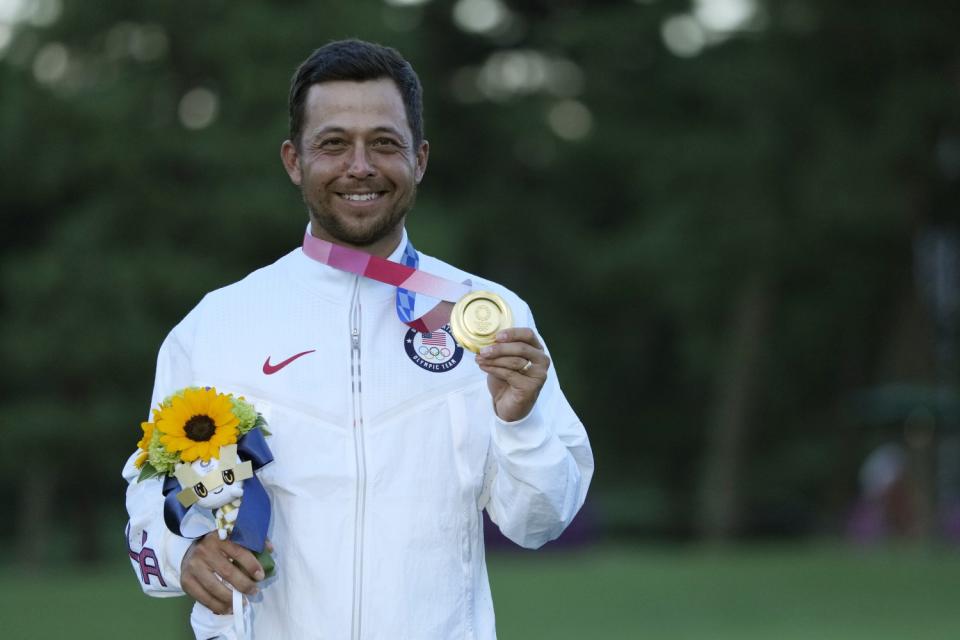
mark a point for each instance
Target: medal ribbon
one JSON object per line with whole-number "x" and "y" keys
{"x": 408, "y": 279}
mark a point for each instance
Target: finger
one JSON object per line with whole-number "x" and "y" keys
{"x": 228, "y": 560}
{"x": 216, "y": 551}
{"x": 268, "y": 545}
{"x": 515, "y": 364}
{"x": 519, "y": 350}
{"x": 513, "y": 377}
{"x": 244, "y": 559}
{"x": 208, "y": 590}
{"x": 231, "y": 572}
{"x": 520, "y": 334}
{"x": 192, "y": 587}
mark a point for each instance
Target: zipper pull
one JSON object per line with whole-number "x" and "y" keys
{"x": 355, "y": 338}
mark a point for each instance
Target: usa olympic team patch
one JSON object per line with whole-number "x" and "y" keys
{"x": 435, "y": 351}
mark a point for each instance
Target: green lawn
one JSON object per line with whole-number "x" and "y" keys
{"x": 789, "y": 593}
{"x": 768, "y": 594}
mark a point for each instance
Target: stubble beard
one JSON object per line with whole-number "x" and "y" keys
{"x": 363, "y": 234}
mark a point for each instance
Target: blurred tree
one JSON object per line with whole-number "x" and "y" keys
{"x": 713, "y": 224}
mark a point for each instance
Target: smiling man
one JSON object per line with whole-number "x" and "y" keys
{"x": 356, "y": 160}
{"x": 389, "y": 438}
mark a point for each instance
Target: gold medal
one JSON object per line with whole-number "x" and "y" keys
{"x": 477, "y": 318}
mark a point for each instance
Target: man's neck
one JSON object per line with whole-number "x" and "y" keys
{"x": 382, "y": 248}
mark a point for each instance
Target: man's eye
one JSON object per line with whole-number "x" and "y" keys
{"x": 385, "y": 143}
{"x": 200, "y": 489}
{"x": 228, "y": 476}
{"x": 332, "y": 143}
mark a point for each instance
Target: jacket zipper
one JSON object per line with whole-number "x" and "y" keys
{"x": 359, "y": 452}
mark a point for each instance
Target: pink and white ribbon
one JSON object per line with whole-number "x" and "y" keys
{"x": 393, "y": 273}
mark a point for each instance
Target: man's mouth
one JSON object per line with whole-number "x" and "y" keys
{"x": 362, "y": 197}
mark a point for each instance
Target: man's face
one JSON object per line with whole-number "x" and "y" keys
{"x": 356, "y": 166}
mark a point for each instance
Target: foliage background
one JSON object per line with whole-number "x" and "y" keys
{"x": 716, "y": 208}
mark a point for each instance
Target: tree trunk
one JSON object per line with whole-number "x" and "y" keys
{"x": 35, "y": 514}
{"x": 720, "y": 494}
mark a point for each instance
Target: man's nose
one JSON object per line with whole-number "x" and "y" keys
{"x": 360, "y": 164}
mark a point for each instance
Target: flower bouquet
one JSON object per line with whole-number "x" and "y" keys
{"x": 207, "y": 446}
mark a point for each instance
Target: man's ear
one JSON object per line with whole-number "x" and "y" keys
{"x": 423, "y": 153}
{"x": 291, "y": 161}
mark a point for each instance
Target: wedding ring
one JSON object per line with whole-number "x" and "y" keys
{"x": 526, "y": 366}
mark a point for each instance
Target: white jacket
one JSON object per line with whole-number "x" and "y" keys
{"x": 382, "y": 464}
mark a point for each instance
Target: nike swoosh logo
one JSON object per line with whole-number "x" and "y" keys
{"x": 270, "y": 369}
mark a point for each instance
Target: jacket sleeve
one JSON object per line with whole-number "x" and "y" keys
{"x": 538, "y": 468}
{"x": 154, "y": 551}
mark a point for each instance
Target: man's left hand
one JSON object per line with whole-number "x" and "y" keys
{"x": 516, "y": 367}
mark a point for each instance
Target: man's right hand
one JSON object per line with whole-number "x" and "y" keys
{"x": 209, "y": 557}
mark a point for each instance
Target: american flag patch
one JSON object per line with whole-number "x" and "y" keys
{"x": 436, "y": 351}
{"x": 435, "y": 338}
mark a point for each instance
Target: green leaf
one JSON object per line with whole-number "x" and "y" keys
{"x": 266, "y": 561}
{"x": 261, "y": 424}
{"x": 147, "y": 472}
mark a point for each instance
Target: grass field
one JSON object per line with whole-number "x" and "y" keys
{"x": 769, "y": 593}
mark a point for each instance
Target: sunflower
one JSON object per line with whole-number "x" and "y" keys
{"x": 197, "y": 423}
{"x": 144, "y": 443}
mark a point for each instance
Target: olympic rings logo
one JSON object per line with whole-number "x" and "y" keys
{"x": 433, "y": 353}
{"x": 436, "y": 351}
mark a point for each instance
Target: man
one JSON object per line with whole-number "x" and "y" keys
{"x": 387, "y": 442}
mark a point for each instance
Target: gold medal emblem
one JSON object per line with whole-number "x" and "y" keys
{"x": 477, "y": 317}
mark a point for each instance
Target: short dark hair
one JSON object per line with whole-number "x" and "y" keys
{"x": 358, "y": 61}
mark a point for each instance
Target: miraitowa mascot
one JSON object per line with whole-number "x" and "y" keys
{"x": 217, "y": 485}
